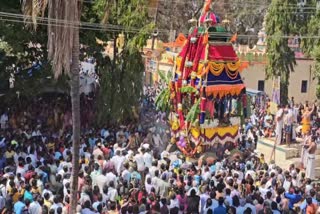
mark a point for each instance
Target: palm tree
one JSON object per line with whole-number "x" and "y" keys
{"x": 63, "y": 51}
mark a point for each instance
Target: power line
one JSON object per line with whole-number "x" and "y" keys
{"x": 70, "y": 26}
{"x": 61, "y": 23}
{"x": 19, "y": 18}
{"x": 115, "y": 30}
{"x": 244, "y": 4}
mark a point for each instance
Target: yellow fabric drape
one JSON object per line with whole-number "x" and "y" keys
{"x": 233, "y": 66}
{"x": 216, "y": 68}
{"x": 231, "y": 74}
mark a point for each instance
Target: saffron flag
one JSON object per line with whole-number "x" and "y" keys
{"x": 234, "y": 38}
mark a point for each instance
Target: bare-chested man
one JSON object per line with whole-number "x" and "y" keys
{"x": 311, "y": 149}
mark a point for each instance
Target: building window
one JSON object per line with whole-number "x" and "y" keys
{"x": 304, "y": 85}
{"x": 261, "y": 85}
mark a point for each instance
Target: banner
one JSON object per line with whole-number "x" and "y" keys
{"x": 276, "y": 91}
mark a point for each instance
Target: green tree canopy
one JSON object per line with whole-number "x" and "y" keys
{"x": 280, "y": 23}
{"x": 121, "y": 81}
{"x": 311, "y": 45}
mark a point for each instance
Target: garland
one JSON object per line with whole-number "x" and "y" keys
{"x": 232, "y": 75}
{"x": 216, "y": 68}
{"x": 232, "y": 68}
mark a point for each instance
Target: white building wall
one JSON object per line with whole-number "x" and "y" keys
{"x": 303, "y": 72}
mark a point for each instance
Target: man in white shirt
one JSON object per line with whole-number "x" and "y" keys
{"x": 279, "y": 124}
{"x": 126, "y": 175}
{"x": 35, "y": 207}
{"x": 102, "y": 180}
{"x": 111, "y": 177}
{"x": 117, "y": 161}
{"x": 153, "y": 168}
{"x": 249, "y": 204}
{"x": 112, "y": 192}
{"x": 138, "y": 158}
{"x": 250, "y": 172}
{"x": 147, "y": 157}
{"x": 254, "y": 119}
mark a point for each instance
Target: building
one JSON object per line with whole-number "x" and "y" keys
{"x": 302, "y": 84}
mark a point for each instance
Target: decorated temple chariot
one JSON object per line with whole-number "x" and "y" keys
{"x": 207, "y": 95}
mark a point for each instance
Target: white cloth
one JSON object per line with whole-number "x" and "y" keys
{"x": 117, "y": 161}
{"x": 288, "y": 118}
{"x": 112, "y": 194}
{"x": 101, "y": 181}
{"x": 147, "y": 157}
{"x": 279, "y": 125}
{"x": 35, "y": 208}
{"x": 140, "y": 162}
{"x": 252, "y": 207}
{"x": 310, "y": 166}
{"x": 111, "y": 177}
{"x": 304, "y": 155}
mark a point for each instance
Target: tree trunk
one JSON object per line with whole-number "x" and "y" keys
{"x": 75, "y": 101}
{"x": 284, "y": 84}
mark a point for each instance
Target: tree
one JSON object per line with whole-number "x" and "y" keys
{"x": 23, "y": 55}
{"x": 246, "y": 17}
{"x": 121, "y": 89}
{"x": 174, "y": 15}
{"x": 122, "y": 77}
{"x": 280, "y": 23}
{"x": 311, "y": 45}
{"x": 63, "y": 51}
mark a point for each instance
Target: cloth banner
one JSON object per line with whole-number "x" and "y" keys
{"x": 276, "y": 91}
{"x": 220, "y": 135}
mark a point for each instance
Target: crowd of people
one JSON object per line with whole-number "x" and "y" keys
{"x": 121, "y": 170}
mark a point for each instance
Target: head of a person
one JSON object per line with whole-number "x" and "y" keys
{"x": 221, "y": 201}
{"x": 86, "y": 204}
{"x": 235, "y": 201}
{"x": 274, "y": 205}
{"x": 231, "y": 210}
{"x": 269, "y": 194}
{"x": 193, "y": 193}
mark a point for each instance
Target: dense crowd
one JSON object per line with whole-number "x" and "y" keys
{"x": 121, "y": 171}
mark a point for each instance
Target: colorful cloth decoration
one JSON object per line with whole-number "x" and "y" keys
{"x": 220, "y": 134}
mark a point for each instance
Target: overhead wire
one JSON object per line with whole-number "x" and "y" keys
{"x": 252, "y": 3}
{"x": 217, "y": 36}
{"x": 66, "y": 22}
{"x": 20, "y": 18}
{"x": 82, "y": 24}
{"x": 201, "y": 2}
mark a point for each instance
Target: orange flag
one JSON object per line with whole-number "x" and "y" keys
{"x": 234, "y": 38}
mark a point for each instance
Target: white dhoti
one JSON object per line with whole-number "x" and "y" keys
{"x": 304, "y": 157}
{"x": 310, "y": 166}
{"x": 278, "y": 131}
{"x": 294, "y": 134}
